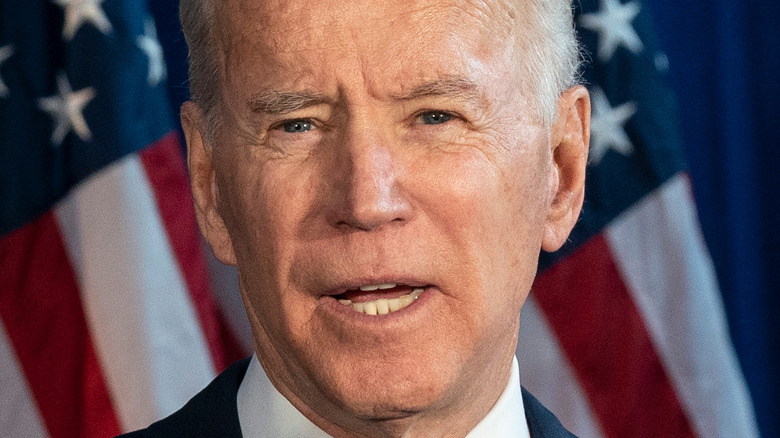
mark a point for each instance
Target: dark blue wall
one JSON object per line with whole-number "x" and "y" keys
{"x": 724, "y": 67}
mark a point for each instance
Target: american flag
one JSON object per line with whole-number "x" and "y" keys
{"x": 106, "y": 316}
{"x": 625, "y": 333}
{"x": 106, "y": 319}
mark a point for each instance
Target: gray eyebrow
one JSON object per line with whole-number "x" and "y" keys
{"x": 275, "y": 102}
{"x": 448, "y": 86}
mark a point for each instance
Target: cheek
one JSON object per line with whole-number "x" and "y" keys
{"x": 265, "y": 213}
{"x": 492, "y": 212}
{"x": 488, "y": 198}
{"x": 261, "y": 208}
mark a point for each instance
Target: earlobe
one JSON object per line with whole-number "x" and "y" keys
{"x": 570, "y": 138}
{"x": 204, "y": 189}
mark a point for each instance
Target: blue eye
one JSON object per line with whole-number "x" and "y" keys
{"x": 297, "y": 126}
{"x": 435, "y": 117}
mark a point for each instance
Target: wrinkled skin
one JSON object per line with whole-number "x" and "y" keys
{"x": 413, "y": 158}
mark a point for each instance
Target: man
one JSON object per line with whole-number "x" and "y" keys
{"x": 383, "y": 175}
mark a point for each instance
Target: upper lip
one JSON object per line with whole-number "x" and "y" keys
{"x": 343, "y": 287}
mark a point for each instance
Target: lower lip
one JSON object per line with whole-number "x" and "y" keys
{"x": 331, "y": 305}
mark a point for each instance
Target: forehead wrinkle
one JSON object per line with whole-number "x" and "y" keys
{"x": 276, "y": 102}
{"x": 498, "y": 18}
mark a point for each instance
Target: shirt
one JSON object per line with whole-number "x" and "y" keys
{"x": 264, "y": 412}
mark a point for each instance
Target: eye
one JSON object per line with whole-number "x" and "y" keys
{"x": 297, "y": 126}
{"x": 434, "y": 117}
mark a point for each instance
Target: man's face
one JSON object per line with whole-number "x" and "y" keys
{"x": 370, "y": 144}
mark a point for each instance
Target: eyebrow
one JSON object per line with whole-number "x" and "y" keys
{"x": 273, "y": 102}
{"x": 448, "y": 86}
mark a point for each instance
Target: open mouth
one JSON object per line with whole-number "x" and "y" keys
{"x": 380, "y": 299}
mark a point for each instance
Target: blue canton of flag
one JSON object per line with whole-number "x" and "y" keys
{"x": 75, "y": 98}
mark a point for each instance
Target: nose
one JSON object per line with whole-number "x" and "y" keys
{"x": 367, "y": 193}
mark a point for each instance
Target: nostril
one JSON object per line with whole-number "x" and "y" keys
{"x": 354, "y": 226}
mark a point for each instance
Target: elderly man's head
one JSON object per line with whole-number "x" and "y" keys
{"x": 384, "y": 176}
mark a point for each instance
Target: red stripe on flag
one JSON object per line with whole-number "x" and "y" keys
{"x": 605, "y": 339}
{"x": 42, "y": 313}
{"x": 168, "y": 177}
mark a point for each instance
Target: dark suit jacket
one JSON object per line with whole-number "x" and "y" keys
{"x": 213, "y": 412}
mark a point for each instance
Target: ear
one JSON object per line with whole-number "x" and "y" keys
{"x": 204, "y": 185}
{"x": 570, "y": 139}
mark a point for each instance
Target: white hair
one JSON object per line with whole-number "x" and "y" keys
{"x": 551, "y": 56}
{"x": 550, "y": 53}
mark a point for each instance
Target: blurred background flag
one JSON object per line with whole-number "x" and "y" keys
{"x": 106, "y": 316}
{"x": 625, "y": 333}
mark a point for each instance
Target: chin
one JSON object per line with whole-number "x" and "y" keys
{"x": 382, "y": 390}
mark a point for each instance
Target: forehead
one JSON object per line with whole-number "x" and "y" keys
{"x": 241, "y": 16}
{"x": 305, "y": 38}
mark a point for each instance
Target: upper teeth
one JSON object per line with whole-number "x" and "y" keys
{"x": 384, "y": 306}
{"x": 377, "y": 286}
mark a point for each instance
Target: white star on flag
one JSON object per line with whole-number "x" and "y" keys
{"x": 151, "y": 47}
{"x": 77, "y": 12}
{"x": 5, "y": 52}
{"x": 66, "y": 110}
{"x": 613, "y": 25}
{"x": 606, "y": 127}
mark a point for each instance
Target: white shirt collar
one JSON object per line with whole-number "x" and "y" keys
{"x": 264, "y": 412}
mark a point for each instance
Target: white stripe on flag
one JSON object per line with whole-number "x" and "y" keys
{"x": 546, "y": 373}
{"x": 146, "y": 332}
{"x": 659, "y": 250}
{"x": 19, "y": 416}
